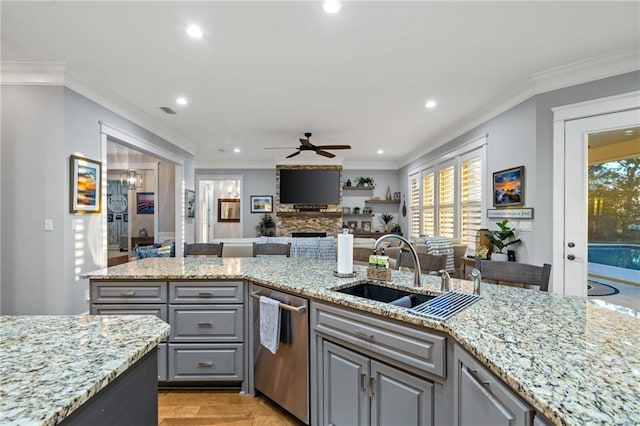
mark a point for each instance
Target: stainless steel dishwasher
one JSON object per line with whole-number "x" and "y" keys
{"x": 284, "y": 376}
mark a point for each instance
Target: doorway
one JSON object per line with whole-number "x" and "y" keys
{"x": 219, "y": 208}
{"x": 573, "y": 125}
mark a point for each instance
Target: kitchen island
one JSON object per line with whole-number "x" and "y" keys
{"x": 53, "y": 368}
{"x": 575, "y": 361}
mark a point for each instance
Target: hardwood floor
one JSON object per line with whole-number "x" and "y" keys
{"x": 211, "y": 407}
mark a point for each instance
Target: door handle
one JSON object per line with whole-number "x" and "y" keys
{"x": 363, "y": 334}
{"x": 363, "y": 386}
{"x": 571, "y": 244}
{"x": 571, "y": 256}
{"x": 205, "y": 364}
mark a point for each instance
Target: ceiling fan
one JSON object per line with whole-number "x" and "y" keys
{"x": 306, "y": 145}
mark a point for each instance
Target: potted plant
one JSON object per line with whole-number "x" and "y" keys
{"x": 266, "y": 227}
{"x": 365, "y": 181}
{"x": 503, "y": 237}
{"x": 386, "y": 219}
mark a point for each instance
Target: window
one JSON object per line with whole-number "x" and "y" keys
{"x": 446, "y": 198}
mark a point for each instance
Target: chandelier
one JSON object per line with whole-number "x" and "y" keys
{"x": 131, "y": 179}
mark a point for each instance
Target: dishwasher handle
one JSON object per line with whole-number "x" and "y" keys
{"x": 297, "y": 309}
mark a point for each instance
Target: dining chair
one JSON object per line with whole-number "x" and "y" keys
{"x": 270, "y": 249}
{"x": 511, "y": 273}
{"x": 203, "y": 249}
{"x": 429, "y": 263}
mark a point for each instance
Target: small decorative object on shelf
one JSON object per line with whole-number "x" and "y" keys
{"x": 367, "y": 210}
{"x": 356, "y": 210}
{"x": 388, "y": 194}
{"x": 348, "y": 183}
{"x": 365, "y": 181}
{"x": 404, "y": 207}
{"x": 396, "y": 196}
{"x": 386, "y": 219}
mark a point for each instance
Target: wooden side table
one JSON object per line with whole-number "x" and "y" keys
{"x": 141, "y": 241}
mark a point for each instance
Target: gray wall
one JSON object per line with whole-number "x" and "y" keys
{"x": 523, "y": 135}
{"x": 41, "y": 127}
{"x": 166, "y": 184}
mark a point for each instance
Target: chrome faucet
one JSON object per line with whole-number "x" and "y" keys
{"x": 416, "y": 262}
{"x": 446, "y": 280}
{"x": 477, "y": 277}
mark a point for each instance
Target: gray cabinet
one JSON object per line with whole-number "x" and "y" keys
{"x": 207, "y": 331}
{"x": 358, "y": 390}
{"x": 481, "y": 399}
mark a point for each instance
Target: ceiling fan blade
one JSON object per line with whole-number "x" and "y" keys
{"x": 325, "y": 153}
{"x": 294, "y": 154}
{"x": 306, "y": 142}
{"x": 334, "y": 146}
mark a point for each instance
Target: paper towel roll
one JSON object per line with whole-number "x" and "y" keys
{"x": 345, "y": 253}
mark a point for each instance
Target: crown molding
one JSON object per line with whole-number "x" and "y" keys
{"x": 60, "y": 74}
{"x": 225, "y": 163}
{"x": 603, "y": 66}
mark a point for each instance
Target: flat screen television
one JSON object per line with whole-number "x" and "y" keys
{"x": 316, "y": 186}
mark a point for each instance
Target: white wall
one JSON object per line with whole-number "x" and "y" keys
{"x": 42, "y": 126}
{"x": 382, "y": 179}
{"x": 523, "y": 135}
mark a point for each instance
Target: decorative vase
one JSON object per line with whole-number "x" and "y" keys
{"x": 499, "y": 257}
{"x": 388, "y": 194}
{"x": 386, "y": 228}
{"x": 348, "y": 182}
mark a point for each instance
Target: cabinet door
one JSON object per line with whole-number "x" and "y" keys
{"x": 345, "y": 379}
{"x": 398, "y": 398}
{"x": 481, "y": 399}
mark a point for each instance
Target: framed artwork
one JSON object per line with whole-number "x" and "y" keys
{"x": 366, "y": 226}
{"x": 261, "y": 204}
{"x": 396, "y": 196}
{"x": 346, "y": 210}
{"x": 118, "y": 217}
{"x": 190, "y": 202}
{"x": 508, "y": 187}
{"x": 84, "y": 185}
{"x": 109, "y": 217}
{"x": 144, "y": 203}
{"x": 228, "y": 210}
{"x": 352, "y": 224}
{"x": 125, "y": 217}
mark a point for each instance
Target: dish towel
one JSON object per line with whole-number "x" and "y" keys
{"x": 269, "y": 323}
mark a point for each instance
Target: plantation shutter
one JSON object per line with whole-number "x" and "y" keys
{"x": 428, "y": 204}
{"x": 471, "y": 198}
{"x": 446, "y": 201}
{"x": 414, "y": 205}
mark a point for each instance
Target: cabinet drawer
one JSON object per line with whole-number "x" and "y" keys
{"x": 125, "y": 309}
{"x": 414, "y": 348}
{"x": 209, "y": 323}
{"x": 218, "y": 362}
{"x": 128, "y": 292}
{"x": 201, "y": 292}
{"x": 162, "y": 362}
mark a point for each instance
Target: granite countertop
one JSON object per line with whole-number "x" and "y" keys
{"x": 575, "y": 360}
{"x": 51, "y": 364}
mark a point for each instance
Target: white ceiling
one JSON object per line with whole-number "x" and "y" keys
{"x": 266, "y": 72}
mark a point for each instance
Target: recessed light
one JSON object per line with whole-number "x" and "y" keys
{"x": 236, "y": 150}
{"x": 194, "y": 31}
{"x": 431, "y": 104}
{"x": 181, "y": 101}
{"x": 628, "y": 132}
{"x": 380, "y": 151}
{"x": 331, "y": 6}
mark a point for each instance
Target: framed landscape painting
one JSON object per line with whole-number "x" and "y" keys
{"x": 261, "y": 204}
{"x": 190, "y": 202}
{"x": 508, "y": 187}
{"x": 144, "y": 202}
{"x": 84, "y": 185}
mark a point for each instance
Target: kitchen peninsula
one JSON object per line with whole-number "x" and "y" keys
{"x": 79, "y": 369}
{"x": 574, "y": 361}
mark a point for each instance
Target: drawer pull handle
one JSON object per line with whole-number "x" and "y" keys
{"x": 205, "y": 324}
{"x": 205, "y": 294}
{"x": 363, "y": 334}
{"x": 127, "y": 293}
{"x": 205, "y": 364}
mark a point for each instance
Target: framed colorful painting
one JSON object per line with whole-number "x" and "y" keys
{"x": 508, "y": 187}
{"x": 145, "y": 202}
{"x": 85, "y": 185}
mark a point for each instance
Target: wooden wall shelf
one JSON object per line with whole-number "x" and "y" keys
{"x": 358, "y": 188}
{"x": 382, "y": 201}
{"x": 358, "y": 215}
{"x": 312, "y": 214}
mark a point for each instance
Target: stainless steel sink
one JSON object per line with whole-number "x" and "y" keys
{"x": 384, "y": 294}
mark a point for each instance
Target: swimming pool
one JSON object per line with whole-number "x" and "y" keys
{"x": 620, "y": 255}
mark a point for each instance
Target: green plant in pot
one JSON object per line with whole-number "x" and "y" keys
{"x": 365, "y": 181}
{"x": 266, "y": 227}
{"x": 501, "y": 238}
{"x": 386, "y": 219}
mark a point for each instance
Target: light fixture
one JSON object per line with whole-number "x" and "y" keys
{"x": 131, "y": 179}
{"x": 628, "y": 132}
{"x": 380, "y": 151}
{"x": 431, "y": 104}
{"x": 194, "y": 31}
{"x": 331, "y": 6}
{"x": 182, "y": 101}
{"x": 236, "y": 150}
